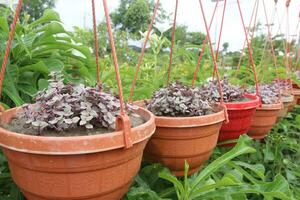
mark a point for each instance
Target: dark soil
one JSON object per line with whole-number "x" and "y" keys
{"x": 19, "y": 125}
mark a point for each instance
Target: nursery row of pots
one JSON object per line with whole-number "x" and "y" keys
{"x": 102, "y": 166}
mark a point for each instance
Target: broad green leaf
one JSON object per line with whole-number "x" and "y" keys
{"x": 48, "y": 16}
{"x": 4, "y": 25}
{"x": 240, "y": 148}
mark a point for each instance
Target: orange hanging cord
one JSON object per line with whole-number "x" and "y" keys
{"x": 272, "y": 46}
{"x": 287, "y": 51}
{"x": 254, "y": 14}
{"x": 249, "y": 50}
{"x": 203, "y": 47}
{"x": 96, "y": 45}
{"x": 122, "y": 121}
{"x": 172, "y": 43}
{"x": 295, "y": 49}
{"x": 220, "y": 35}
{"x": 215, "y": 62}
{"x": 8, "y": 43}
{"x": 143, "y": 52}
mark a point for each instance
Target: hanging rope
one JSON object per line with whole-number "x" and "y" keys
{"x": 249, "y": 50}
{"x": 96, "y": 45}
{"x": 143, "y": 51}
{"x": 8, "y": 43}
{"x": 172, "y": 43}
{"x": 203, "y": 47}
{"x": 214, "y": 61}
{"x": 287, "y": 49}
{"x": 294, "y": 65}
{"x": 272, "y": 46}
{"x": 220, "y": 35}
{"x": 122, "y": 121}
{"x": 254, "y": 14}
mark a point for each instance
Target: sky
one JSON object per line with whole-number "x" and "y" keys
{"x": 78, "y": 13}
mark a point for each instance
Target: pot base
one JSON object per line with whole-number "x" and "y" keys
{"x": 115, "y": 195}
{"x": 263, "y": 120}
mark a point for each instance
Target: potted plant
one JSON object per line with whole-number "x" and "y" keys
{"x": 187, "y": 127}
{"x": 265, "y": 115}
{"x": 240, "y": 105}
{"x": 66, "y": 146}
{"x": 286, "y": 97}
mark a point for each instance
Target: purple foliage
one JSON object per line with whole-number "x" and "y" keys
{"x": 66, "y": 106}
{"x": 179, "y": 100}
{"x": 231, "y": 93}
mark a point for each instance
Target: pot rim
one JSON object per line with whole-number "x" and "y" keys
{"x": 253, "y": 103}
{"x": 73, "y": 145}
{"x": 187, "y": 122}
{"x": 273, "y": 106}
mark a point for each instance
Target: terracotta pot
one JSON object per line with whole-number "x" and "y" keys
{"x": 296, "y": 93}
{"x": 94, "y": 167}
{"x": 240, "y": 118}
{"x": 180, "y": 139}
{"x": 292, "y": 105}
{"x": 263, "y": 120}
{"x": 284, "y": 110}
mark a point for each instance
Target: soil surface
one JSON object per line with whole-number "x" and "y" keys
{"x": 19, "y": 125}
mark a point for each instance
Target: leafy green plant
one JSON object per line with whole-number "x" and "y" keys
{"x": 38, "y": 48}
{"x": 223, "y": 178}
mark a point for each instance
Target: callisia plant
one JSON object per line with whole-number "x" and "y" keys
{"x": 63, "y": 106}
{"x": 231, "y": 93}
{"x": 179, "y": 100}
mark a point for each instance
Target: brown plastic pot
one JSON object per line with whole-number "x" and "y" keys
{"x": 296, "y": 93}
{"x": 292, "y": 105}
{"x": 94, "y": 167}
{"x": 284, "y": 110}
{"x": 263, "y": 120}
{"x": 180, "y": 139}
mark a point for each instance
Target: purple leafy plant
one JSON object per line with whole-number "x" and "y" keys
{"x": 66, "y": 106}
{"x": 179, "y": 100}
{"x": 231, "y": 93}
{"x": 269, "y": 93}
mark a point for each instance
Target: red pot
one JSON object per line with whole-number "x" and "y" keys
{"x": 284, "y": 110}
{"x": 96, "y": 167}
{"x": 240, "y": 118}
{"x": 263, "y": 120}
{"x": 295, "y": 85}
{"x": 180, "y": 139}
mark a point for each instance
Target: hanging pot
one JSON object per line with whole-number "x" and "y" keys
{"x": 96, "y": 167}
{"x": 292, "y": 105}
{"x": 284, "y": 110}
{"x": 296, "y": 93}
{"x": 240, "y": 117}
{"x": 180, "y": 139}
{"x": 263, "y": 120}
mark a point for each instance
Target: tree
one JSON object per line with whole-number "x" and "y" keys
{"x": 36, "y": 8}
{"x": 134, "y": 15}
{"x": 225, "y": 46}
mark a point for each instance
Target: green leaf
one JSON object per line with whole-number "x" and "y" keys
{"x": 4, "y": 25}
{"x": 37, "y": 67}
{"x": 279, "y": 188}
{"x": 240, "y": 148}
{"x": 48, "y": 16}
